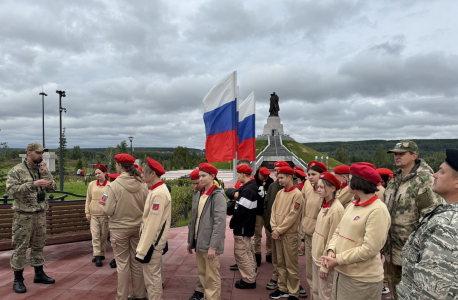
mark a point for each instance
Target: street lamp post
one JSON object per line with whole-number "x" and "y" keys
{"x": 61, "y": 157}
{"x": 43, "y": 114}
{"x": 131, "y": 138}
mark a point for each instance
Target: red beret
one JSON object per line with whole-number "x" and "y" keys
{"x": 296, "y": 168}
{"x": 301, "y": 174}
{"x": 244, "y": 169}
{"x": 124, "y": 158}
{"x": 113, "y": 176}
{"x": 101, "y": 167}
{"x": 157, "y": 167}
{"x": 328, "y": 176}
{"x": 367, "y": 164}
{"x": 343, "y": 169}
{"x": 317, "y": 164}
{"x": 136, "y": 166}
{"x": 264, "y": 172}
{"x": 140, "y": 169}
{"x": 365, "y": 172}
{"x": 386, "y": 172}
{"x": 206, "y": 167}
{"x": 286, "y": 170}
{"x": 281, "y": 163}
{"x": 194, "y": 174}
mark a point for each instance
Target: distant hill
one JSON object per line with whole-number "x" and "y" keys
{"x": 307, "y": 153}
{"x": 367, "y": 148}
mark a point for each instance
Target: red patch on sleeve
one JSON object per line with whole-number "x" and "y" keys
{"x": 297, "y": 205}
{"x": 155, "y": 206}
{"x": 102, "y": 203}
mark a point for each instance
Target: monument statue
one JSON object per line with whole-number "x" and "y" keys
{"x": 274, "y": 107}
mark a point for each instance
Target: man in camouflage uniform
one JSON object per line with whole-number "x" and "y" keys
{"x": 28, "y": 183}
{"x": 409, "y": 198}
{"x": 429, "y": 258}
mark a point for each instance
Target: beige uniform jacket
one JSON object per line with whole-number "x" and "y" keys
{"x": 311, "y": 208}
{"x": 344, "y": 196}
{"x": 124, "y": 201}
{"x": 328, "y": 220}
{"x": 358, "y": 239}
{"x": 95, "y": 193}
{"x": 286, "y": 211}
{"x": 157, "y": 212}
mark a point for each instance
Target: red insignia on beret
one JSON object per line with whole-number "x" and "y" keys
{"x": 194, "y": 174}
{"x": 124, "y": 158}
{"x": 244, "y": 169}
{"x": 281, "y": 163}
{"x": 343, "y": 169}
{"x": 286, "y": 170}
{"x": 366, "y": 172}
{"x": 328, "y": 176}
{"x": 210, "y": 169}
{"x": 317, "y": 164}
{"x": 157, "y": 167}
{"x": 101, "y": 167}
{"x": 264, "y": 171}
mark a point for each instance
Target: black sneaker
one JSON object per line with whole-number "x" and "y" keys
{"x": 101, "y": 258}
{"x": 272, "y": 285}
{"x": 197, "y": 296}
{"x": 113, "y": 264}
{"x": 234, "y": 267}
{"x": 278, "y": 294}
{"x": 240, "y": 284}
{"x": 292, "y": 298}
{"x": 302, "y": 292}
{"x": 98, "y": 261}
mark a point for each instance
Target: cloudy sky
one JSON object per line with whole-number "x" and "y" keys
{"x": 344, "y": 70}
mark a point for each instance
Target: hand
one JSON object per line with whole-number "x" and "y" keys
{"x": 211, "y": 253}
{"x": 236, "y": 195}
{"x": 329, "y": 262}
{"x": 323, "y": 275}
{"x": 189, "y": 249}
{"x": 383, "y": 259}
{"x": 303, "y": 247}
{"x": 43, "y": 167}
{"x": 275, "y": 236}
{"x": 41, "y": 182}
{"x": 88, "y": 217}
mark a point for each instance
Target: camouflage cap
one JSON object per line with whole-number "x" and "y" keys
{"x": 36, "y": 147}
{"x": 405, "y": 146}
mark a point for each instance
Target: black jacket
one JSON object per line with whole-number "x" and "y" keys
{"x": 244, "y": 211}
{"x": 262, "y": 192}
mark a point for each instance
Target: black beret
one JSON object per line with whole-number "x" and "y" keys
{"x": 452, "y": 158}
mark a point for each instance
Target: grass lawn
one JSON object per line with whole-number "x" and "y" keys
{"x": 308, "y": 154}
{"x": 261, "y": 145}
{"x": 182, "y": 222}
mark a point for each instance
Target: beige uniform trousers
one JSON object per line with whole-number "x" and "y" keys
{"x": 99, "y": 232}
{"x": 209, "y": 276}
{"x": 124, "y": 243}
{"x": 322, "y": 289}
{"x": 153, "y": 276}
{"x": 309, "y": 260}
{"x": 347, "y": 288}
{"x": 274, "y": 261}
{"x": 199, "y": 287}
{"x": 287, "y": 265}
{"x": 258, "y": 236}
{"x": 244, "y": 258}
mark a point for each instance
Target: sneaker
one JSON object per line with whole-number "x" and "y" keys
{"x": 98, "y": 261}
{"x": 133, "y": 298}
{"x": 197, "y": 296}
{"x": 385, "y": 290}
{"x": 302, "y": 292}
{"x": 240, "y": 284}
{"x": 272, "y": 285}
{"x": 278, "y": 294}
{"x": 292, "y": 298}
{"x": 234, "y": 267}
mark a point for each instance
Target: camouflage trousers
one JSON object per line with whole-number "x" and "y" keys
{"x": 29, "y": 230}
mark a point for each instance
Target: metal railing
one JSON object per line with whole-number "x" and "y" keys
{"x": 51, "y": 197}
{"x": 299, "y": 160}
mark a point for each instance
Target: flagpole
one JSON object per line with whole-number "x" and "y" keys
{"x": 236, "y": 90}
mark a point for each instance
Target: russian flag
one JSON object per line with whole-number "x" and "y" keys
{"x": 220, "y": 118}
{"x": 246, "y": 129}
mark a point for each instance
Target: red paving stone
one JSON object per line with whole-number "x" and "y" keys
{"x": 78, "y": 278}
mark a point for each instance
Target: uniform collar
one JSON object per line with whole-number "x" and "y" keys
{"x": 370, "y": 201}
{"x": 103, "y": 184}
{"x": 156, "y": 185}
{"x": 344, "y": 186}
{"x": 291, "y": 189}
{"x": 327, "y": 204}
{"x": 209, "y": 191}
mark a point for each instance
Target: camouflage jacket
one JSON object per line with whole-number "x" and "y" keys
{"x": 430, "y": 257}
{"x": 19, "y": 184}
{"x": 408, "y": 198}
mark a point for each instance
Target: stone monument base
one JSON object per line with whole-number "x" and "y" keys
{"x": 48, "y": 157}
{"x": 273, "y": 126}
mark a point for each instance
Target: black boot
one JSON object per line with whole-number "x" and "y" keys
{"x": 18, "y": 285}
{"x": 113, "y": 264}
{"x": 258, "y": 259}
{"x": 41, "y": 277}
{"x": 269, "y": 258}
{"x": 98, "y": 261}
{"x": 101, "y": 258}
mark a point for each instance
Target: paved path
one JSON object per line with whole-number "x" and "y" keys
{"x": 78, "y": 278}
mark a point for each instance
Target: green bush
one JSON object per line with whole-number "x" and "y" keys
{"x": 179, "y": 182}
{"x": 179, "y": 197}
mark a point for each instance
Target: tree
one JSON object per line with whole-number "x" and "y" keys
{"x": 122, "y": 147}
{"x": 79, "y": 165}
{"x": 341, "y": 154}
{"x": 435, "y": 160}
{"x": 380, "y": 157}
{"x": 76, "y": 153}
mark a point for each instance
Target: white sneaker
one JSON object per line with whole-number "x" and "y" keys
{"x": 385, "y": 290}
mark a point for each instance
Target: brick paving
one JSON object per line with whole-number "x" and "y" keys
{"x": 78, "y": 278}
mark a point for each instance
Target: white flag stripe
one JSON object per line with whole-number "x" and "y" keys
{"x": 247, "y": 108}
{"x": 223, "y": 92}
